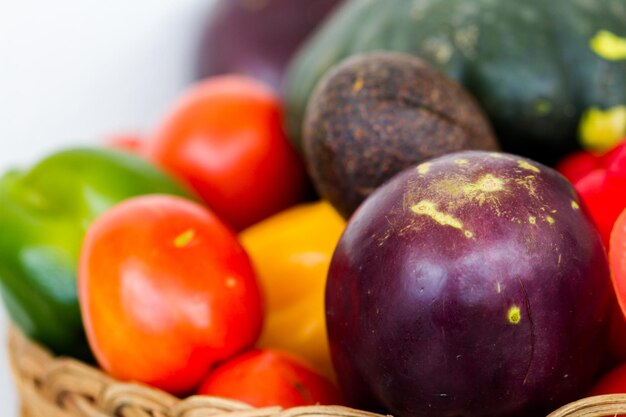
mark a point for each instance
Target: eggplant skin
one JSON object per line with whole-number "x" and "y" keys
{"x": 471, "y": 285}
{"x": 257, "y": 37}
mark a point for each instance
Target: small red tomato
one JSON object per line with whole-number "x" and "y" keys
{"x": 617, "y": 259}
{"x": 166, "y": 291}
{"x": 607, "y": 158}
{"x": 130, "y": 143}
{"x": 616, "y": 176}
{"x": 575, "y": 166}
{"x": 613, "y": 382}
{"x": 266, "y": 377}
{"x": 225, "y": 138}
{"x": 602, "y": 190}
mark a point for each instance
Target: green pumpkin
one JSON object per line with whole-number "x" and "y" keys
{"x": 535, "y": 66}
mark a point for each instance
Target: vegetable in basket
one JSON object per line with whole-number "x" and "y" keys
{"x": 257, "y": 37}
{"x": 166, "y": 292}
{"x": 225, "y": 139}
{"x": 535, "y": 66}
{"x": 270, "y": 377}
{"x": 472, "y": 285}
{"x": 613, "y": 382}
{"x": 44, "y": 213}
{"x": 601, "y": 182}
{"x": 377, "y": 113}
{"x": 291, "y": 252}
{"x": 617, "y": 259}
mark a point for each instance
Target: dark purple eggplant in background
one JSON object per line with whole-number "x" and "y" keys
{"x": 257, "y": 37}
{"x": 473, "y": 285}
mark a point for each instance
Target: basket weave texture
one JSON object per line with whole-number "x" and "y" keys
{"x": 63, "y": 387}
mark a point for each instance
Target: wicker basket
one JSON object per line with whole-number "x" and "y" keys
{"x": 63, "y": 387}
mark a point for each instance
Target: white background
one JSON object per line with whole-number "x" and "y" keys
{"x": 77, "y": 71}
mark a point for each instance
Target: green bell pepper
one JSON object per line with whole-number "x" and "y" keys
{"x": 44, "y": 214}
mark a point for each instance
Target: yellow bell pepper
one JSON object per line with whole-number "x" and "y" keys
{"x": 291, "y": 252}
{"x": 602, "y": 130}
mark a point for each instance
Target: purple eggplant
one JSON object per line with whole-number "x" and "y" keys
{"x": 472, "y": 285}
{"x": 257, "y": 37}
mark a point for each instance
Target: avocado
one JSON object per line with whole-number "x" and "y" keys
{"x": 377, "y": 113}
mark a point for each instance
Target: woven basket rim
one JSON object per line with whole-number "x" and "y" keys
{"x": 51, "y": 386}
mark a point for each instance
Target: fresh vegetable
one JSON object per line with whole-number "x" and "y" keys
{"x": 617, "y": 258}
{"x": 472, "y": 285}
{"x": 166, "y": 291}
{"x": 576, "y": 166}
{"x": 267, "y": 377}
{"x": 376, "y": 114}
{"x": 225, "y": 138}
{"x": 257, "y": 38}
{"x": 602, "y": 190}
{"x": 44, "y": 212}
{"x": 291, "y": 252}
{"x": 132, "y": 143}
{"x": 613, "y": 382}
{"x": 533, "y": 66}
{"x": 601, "y": 130}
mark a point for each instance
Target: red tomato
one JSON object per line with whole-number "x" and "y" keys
{"x": 616, "y": 174}
{"x": 617, "y": 259}
{"x": 575, "y": 166}
{"x": 602, "y": 190}
{"x": 130, "y": 143}
{"x": 225, "y": 138}
{"x": 613, "y": 382}
{"x": 165, "y": 292}
{"x": 607, "y": 158}
{"x": 266, "y": 377}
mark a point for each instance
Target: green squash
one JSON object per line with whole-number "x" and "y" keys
{"x": 534, "y": 65}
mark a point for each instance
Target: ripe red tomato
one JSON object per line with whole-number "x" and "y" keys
{"x": 617, "y": 259}
{"x": 602, "y": 191}
{"x": 613, "y": 382}
{"x": 225, "y": 138}
{"x": 166, "y": 291}
{"x": 266, "y": 377}
{"x": 609, "y": 157}
{"x": 577, "y": 165}
{"x": 600, "y": 179}
{"x": 129, "y": 143}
